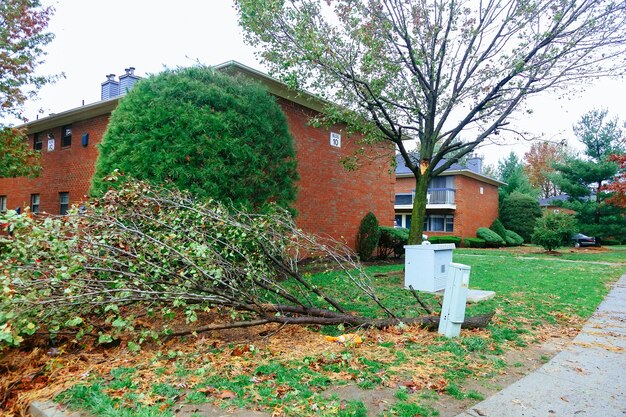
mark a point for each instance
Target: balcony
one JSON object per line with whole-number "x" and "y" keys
{"x": 436, "y": 198}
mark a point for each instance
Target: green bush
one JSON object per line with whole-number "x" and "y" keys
{"x": 513, "y": 239}
{"x": 474, "y": 242}
{"x": 554, "y": 230}
{"x": 498, "y": 227}
{"x": 367, "y": 237}
{"x": 491, "y": 238}
{"x": 208, "y": 133}
{"x": 610, "y": 242}
{"x": 445, "y": 239}
{"x": 519, "y": 213}
{"x": 391, "y": 241}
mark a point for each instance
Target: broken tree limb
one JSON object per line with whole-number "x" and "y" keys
{"x": 324, "y": 317}
{"x": 419, "y": 300}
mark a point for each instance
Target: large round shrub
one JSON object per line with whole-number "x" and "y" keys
{"x": 199, "y": 130}
{"x": 519, "y": 213}
{"x": 554, "y": 230}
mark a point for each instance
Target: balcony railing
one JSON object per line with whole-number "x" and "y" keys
{"x": 434, "y": 196}
{"x": 440, "y": 196}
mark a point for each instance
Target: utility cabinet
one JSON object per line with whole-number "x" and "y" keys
{"x": 426, "y": 266}
{"x": 454, "y": 299}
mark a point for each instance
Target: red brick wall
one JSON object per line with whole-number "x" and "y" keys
{"x": 64, "y": 169}
{"x": 332, "y": 200}
{"x": 473, "y": 209}
{"x": 405, "y": 185}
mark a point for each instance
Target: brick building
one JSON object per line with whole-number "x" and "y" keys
{"x": 459, "y": 201}
{"x": 331, "y": 201}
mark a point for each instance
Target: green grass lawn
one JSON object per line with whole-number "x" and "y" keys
{"x": 535, "y": 292}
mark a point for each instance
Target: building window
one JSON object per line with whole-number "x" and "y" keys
{"x": 37, "y": 142}
{"x": 439, "y": 223}
{"x": 398, "y": 221}
{"x": 66, "y": 136}
{"x": 34, "y": 203}
{"x": 3, "y": 203}
{"x": 64, "y": 203}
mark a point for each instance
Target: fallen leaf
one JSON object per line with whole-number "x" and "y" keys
{"x": 227, "y": 395}
{"x": 479, "y": 412}
{"x": 240, "y": 350}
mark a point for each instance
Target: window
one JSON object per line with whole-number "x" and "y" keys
{"x": 403, "y": 199}
{"x": 403, "y": 220}
{"x": 66, "y": 136}
{"x": 34, "y": 203}
{"x": 3, "y": 203}
{"x": 64, "y": 203}
{"x": 439, "y": 223}
{"x": 37, "y": 142}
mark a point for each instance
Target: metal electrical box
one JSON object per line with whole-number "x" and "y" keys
{"x": 426, "y": 266}
{"x": 454, "y": 299}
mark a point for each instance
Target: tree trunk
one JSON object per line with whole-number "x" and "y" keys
{"x": 418, "y": 214}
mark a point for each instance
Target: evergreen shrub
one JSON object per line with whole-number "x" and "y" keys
{"x": 513, "y": 239}
{"x": 391, "y": 241}
{"x": 445, "y": 239}
{"x": 198, "y": 130}
{"x": 498, "y": 227}
{"x": 491, "y": 238}
{"x": 474, "y": 242}
{"x": 367, "y": 237}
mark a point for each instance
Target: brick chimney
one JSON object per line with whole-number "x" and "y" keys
{"x": 110, "y": 88}
{"x": 128, "y": 80}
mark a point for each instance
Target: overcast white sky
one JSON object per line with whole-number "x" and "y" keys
{"x": 96, "y": 37}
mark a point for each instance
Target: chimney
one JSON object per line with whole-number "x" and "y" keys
{"x": 475, "y": 164}
{"x": 128, "y": 80}
{"x": 110, "y": 88}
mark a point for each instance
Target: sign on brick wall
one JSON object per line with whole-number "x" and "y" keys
{"x": 335, "y": 139}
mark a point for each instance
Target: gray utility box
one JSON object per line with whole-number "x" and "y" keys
{"x": 426, "y": 266}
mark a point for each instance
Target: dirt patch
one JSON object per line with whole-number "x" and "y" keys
{"x": 519, "y": 364}
{"x": 376, "y": 400}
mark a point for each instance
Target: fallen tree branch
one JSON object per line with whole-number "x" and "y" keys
{"x": 419, "y": 300}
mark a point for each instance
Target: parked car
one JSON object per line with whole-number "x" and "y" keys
{"x": 583, "y": 240}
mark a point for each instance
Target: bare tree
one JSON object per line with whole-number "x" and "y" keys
{"x": 425, "y": 71}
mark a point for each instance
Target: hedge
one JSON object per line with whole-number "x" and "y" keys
{"x": 392, "y": 241}
{"x": 491, "y": 238}
{"x": 445, "y": 239}
{"x": 513, "y": 239}
{"x": 474, "y": 242}
{"x": 498, "y": 227}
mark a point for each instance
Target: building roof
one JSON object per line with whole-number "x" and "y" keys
{"x": 550, "y": 201}
{"x": 100, "y": 108}
{"x": 455, "y": 169}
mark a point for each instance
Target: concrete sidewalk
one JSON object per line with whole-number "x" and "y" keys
{"x": 586, "y": 379}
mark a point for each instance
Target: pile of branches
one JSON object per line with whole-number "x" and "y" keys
{"x": 165, "y": 251}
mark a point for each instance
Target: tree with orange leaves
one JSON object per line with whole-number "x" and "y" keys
{"x": 538, "y": 166}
